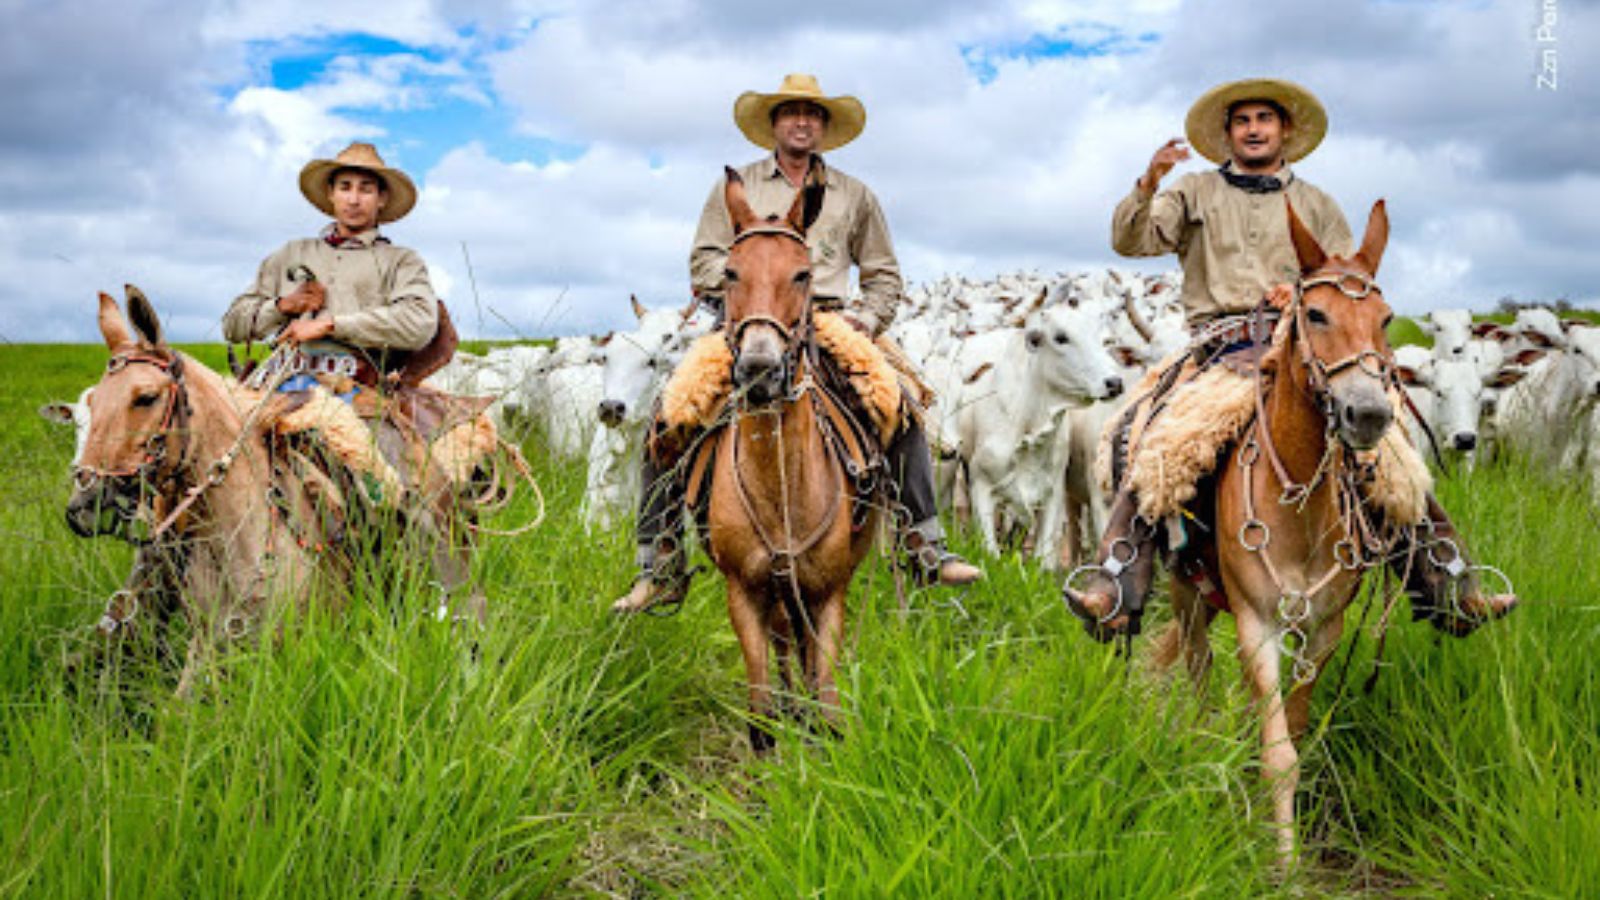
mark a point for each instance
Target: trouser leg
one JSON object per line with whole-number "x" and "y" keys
{"x": 660, "y": 525}
{"x": 911, "y": 467}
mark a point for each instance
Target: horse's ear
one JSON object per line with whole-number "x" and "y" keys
{"x": 1310, "y": 253}
{"x": 143, "y": 316}
{"x": 638, "y": 308}
{"x": 739, "y": 211}
{"x": 1376, "y": 238}
{"x": 112, "y": 327}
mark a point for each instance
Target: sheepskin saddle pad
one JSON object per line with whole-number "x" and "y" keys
{"x": 1175, "y": 440}
{"x": 447, "y": 448}
{"x": 695, "y": 394}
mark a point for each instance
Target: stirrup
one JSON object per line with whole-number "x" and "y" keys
{"x": 1096, "y": 626}
{"x": 927, "y": 561}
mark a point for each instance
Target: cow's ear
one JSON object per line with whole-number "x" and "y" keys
{"x": 1507, "y": 376}
{"x": 57, "y": 413}
{"x": 1528, "y": 357}
{"x": 1539, "y": 339}
{"x": 1125, "y": 356}
{"x": 1410, "y": 377}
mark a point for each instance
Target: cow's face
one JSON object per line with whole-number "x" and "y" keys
{"x": 1069, "y": 341}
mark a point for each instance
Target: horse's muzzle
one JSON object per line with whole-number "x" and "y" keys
{"x": 760, "y": 376}
{"x": 1363, "y": 423}
{"x": 101, "y": 506}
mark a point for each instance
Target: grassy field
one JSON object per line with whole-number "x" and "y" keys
{"x": 990, "y": 749}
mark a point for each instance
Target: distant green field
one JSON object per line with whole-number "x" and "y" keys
{"x": 990, "y": 748}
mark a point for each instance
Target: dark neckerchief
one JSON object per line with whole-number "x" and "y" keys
{"x": 1253, "y": 184}
{"x": 330, "y": 234}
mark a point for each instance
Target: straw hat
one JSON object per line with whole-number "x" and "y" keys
{"x": 753, "y": 113}
{"x": 314, "y": 181}
{"x": 1207, "y": 127}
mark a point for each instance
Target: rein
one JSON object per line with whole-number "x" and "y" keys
{"x": 1360, "y": 547}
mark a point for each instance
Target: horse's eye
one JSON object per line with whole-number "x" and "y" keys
{"x": 1316, "y": 316}
{"x": 146, "y": 400}
{"x": 802, "y": 276}
{"x": 730, "y": 275}
{"x": 1387, "y": 320}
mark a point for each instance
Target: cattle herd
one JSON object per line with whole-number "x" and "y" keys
{"x": 1027, "y": 368}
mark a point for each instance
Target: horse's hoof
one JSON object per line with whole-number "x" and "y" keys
{"x": 761, "y": 741}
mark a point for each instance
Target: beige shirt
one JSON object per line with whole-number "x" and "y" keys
{"x": 378, "y": 294}
{"x": 1233, "y": 244}
{"x": 850, "y": 229}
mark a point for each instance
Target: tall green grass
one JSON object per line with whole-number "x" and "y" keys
{"x": 988, "y": 747}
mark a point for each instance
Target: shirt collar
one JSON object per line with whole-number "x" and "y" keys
{"x": 775, "y": 171}
{"x": 366, "y": 240}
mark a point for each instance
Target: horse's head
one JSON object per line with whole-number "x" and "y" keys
{"x": 767, "y": 293}
{"x": 1338, "y": 321}
{"x": 138, "y": 414}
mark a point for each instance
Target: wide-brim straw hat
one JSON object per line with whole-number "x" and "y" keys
{"x": 314, "y": 181}
{"x": 1207, "y": 124}
{"x": 753, "y": 113}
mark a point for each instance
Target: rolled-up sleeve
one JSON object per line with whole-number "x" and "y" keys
{"x": 709, "y": 256}
{"x": 873, "y": 251}
{"x": 1150, "y": 225}
{"x": 1331, "y": 229}
{"x": 254, "y": 314}
{"x": 408, "y": 318}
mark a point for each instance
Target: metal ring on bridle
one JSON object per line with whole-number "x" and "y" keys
{"x": 1251, "y": 527}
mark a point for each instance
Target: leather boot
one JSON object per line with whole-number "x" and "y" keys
{"x": 1111, "y": 595}
{"x": 1442, "y": 582}
{"x": 663, "y": 579}
{"x": 911, "y": 467}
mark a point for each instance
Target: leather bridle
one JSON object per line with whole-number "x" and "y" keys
{"x": 174, "y": 420}
{"x": 796, "y": 338}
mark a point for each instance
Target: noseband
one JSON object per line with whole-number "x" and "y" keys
{"x": 793, "y": 345}
{"x": 173, "y": 419}
{"x": 1372, "y": 363}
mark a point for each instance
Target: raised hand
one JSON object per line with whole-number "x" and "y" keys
{"x": 1171, "y": 153}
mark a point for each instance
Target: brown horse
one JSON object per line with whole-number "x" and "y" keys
{"x": 780, "y": 518}
{"x": 1293, "y": 535}
{"x": 232, "y": 524}
{"x": 159, "y": 421}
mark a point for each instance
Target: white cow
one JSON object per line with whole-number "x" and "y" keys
{"x": 1545, "y": 414}
{"x": 1002, "y": 408}
{"x": 75, "y": 414}
{"x": 637, "y": 365}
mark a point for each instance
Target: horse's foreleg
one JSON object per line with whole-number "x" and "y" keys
{"x": 1320, "y": 648}
{"x": 824, "y": 652}
{"x": 1259, "y": 661}
{"x": 748, "y": 615}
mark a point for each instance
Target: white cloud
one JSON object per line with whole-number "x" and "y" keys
{"x": 170, "y": 162}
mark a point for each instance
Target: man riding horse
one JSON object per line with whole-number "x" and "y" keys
{"x": 1229, "y": 230}
{"x": 349, "y": 296}
{"x": 798, "y": 122}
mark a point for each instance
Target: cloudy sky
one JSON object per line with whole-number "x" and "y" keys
{"x": 567, "y": 146}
